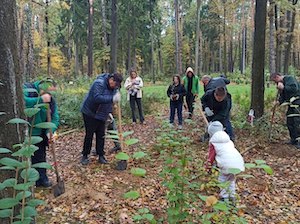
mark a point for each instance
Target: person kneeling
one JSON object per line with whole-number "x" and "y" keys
{"x": 223, "y": 151}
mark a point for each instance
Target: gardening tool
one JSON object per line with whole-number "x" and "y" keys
{"x": 273, "y": 115}
{"x": 121, "y": 164}
{"x": 59, "y": 187}
{"x": 203, "y": 115}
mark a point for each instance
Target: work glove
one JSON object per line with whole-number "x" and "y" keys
{"x": 53, "y": 137}
{"x": 117, "y": 97}
{"x": 208, "y": 112}
{"x": 176, "y": 96}
{"x": 111, "y": 118}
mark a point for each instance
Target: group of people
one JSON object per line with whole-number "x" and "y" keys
{"x": 97, "y": 111}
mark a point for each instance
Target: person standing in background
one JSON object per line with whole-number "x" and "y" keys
{"x": 191, "y": 84}
{"x": 134, "y": 85}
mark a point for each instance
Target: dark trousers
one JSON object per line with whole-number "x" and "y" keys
{"x": 138, "y": 101}
{"x": 229, "y": 129}
{"x": 190, "y": 99}
{"x": 39, "y": 157}
{"x": 176, "y": 105}
{"x": 293, "y": 123}
{"x": 92, "y": 126}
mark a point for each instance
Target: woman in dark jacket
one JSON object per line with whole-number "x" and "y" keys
{"x": 176, "y": 92}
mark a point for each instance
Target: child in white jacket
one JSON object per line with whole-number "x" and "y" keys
{"x": 223, "y": 151}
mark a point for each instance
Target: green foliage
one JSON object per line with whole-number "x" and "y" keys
{"x": 138, "y": 172}
{"x": 144, "y": 215}
{"x": 26, "y": 175}
{"x": 122, "y": 156}
{"x": 132, "y": 195}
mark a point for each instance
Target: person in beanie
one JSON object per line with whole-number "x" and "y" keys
{"x": 134, "y": 85}
{"x": 95, "y": 110}
{"x": 223, "y": 151}
{"x": 191, "y": 84}
{"x": 176, "y": 92}
{"x": 288, "y": 88}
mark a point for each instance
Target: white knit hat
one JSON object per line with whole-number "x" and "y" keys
{"x": 214, "y": 127}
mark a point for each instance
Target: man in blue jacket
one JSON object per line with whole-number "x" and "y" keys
{"x": 95, "y": 110}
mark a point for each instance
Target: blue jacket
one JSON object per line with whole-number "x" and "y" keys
{"x": 99, "y": 100}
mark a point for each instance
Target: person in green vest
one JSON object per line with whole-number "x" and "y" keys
{"x": 289, "y": 90}
{"x": 41, "y": 95}
{"x": 191, "y": 84}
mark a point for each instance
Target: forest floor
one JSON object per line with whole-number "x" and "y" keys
{"x": 94, "y": 193}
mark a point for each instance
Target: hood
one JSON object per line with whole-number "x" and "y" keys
{"x": 220, "y": 137}
{"x": 214, "y": 127}
{"x": 189, "y": 69}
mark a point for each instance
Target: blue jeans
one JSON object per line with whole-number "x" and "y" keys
{"x": 173, "y": 106}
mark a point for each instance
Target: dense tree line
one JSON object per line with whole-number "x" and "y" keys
{"x": 158, "y": 37}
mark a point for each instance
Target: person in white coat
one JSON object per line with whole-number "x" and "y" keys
{"x": 134, "y": 85}
{"x": 223, "y": 151}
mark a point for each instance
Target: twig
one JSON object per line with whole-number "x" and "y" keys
{"x": 248, "y": 149}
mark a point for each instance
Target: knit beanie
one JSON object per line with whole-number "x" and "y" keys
{"x": 214, "y": 127}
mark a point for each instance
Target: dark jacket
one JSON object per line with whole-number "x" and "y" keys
{"x": 99, "y": 100}
{"x": 216, "y": 82}
{"x": 220, "y": 109}
{"x": 179, "y": 89}
{"x": 291, "y": 89}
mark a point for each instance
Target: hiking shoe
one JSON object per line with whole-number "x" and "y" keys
{"x": 179, "y": 127}
{"x": 102, "y": 160}
{"x": 291, "y": 142}
{"x": 45, "y": 184}
{"x": 84, "y": 160}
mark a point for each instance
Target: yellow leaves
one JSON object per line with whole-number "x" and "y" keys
{"x": 65, "y": 5}
{"x": 210, "y": 201}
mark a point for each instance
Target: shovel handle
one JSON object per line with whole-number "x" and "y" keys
{"x": 51, "y": 145}
{"x": 203, "y": 115}
{"x": 120, "y": 126}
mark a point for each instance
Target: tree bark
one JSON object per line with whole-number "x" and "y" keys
{"x": 197, "y": 37}
{"x": 48, "y": 38}
{"x": 152, "y": 42}
{"x": 272, "y": 53}
{"x": 258, "y": 61}
{"x": 224, "y": 39}
{"x": 113, "y": 42}
{"x": 10, "y": 85}
{"x": 289, "y": 40}
{"x": 177, "y": 38}
{"x": 90, "y": 37}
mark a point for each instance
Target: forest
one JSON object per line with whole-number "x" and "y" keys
{"x": 156, "y": 165}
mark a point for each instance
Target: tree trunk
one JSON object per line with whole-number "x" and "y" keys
{"x": 134, "y": 47}
{"x": 48, "y": 38}
{"x": 258, "y": 61}
{"x": 272, "y": 55}
{"x": 104, "y": 30}
{"x": 220, "y": 55}
{"x": 160, "y": 56}
{"x": 224, "y": 39}
{"x": 113, "y": 42}
{"x": 197, "y": 38}
{"x": 177, "y": 38}
{"x": 10, "y": 85}
{"x": 128, "y": 64}
{"x": 289, "y": 40}
{"x": 90, "y": 38}
{"x": 244, "y": 41}
{"x": 76, "y": 71}
{"x": 152, "y": 43}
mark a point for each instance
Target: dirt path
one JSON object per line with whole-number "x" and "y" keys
{"x": 94, "y": 193}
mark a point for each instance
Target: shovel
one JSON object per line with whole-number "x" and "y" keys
{"x": 121, "y": 164}
{"x": 59, "y": 187}
{"x": 272, "y": 117}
